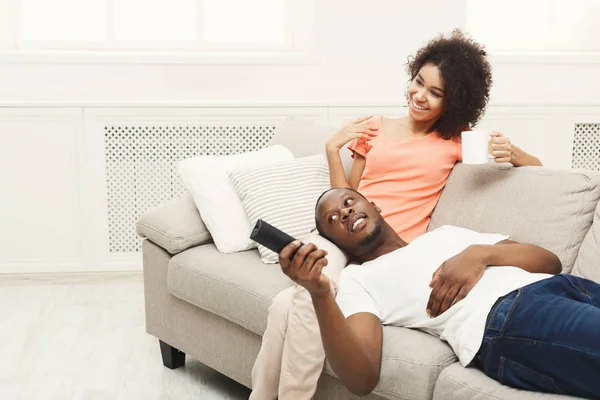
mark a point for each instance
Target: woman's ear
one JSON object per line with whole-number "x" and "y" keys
{"x": 377, "y": 208}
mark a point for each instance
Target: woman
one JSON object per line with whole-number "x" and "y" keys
{"x": 402, "y": 164}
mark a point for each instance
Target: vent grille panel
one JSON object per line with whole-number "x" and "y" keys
{"x": 141, "y": 167}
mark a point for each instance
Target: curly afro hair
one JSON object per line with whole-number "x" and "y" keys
{"x": 467, "y": 76}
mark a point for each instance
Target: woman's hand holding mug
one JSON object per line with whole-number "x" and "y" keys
{"x": 500, "y": 147}
{"x": 478, "y": 146}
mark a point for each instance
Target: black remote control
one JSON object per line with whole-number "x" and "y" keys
{"x": 270, "y": 237}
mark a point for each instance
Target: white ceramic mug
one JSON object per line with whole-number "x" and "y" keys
{"x": 475, "y": 147}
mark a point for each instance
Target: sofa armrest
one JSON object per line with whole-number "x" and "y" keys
{"x": 175, "y": 225}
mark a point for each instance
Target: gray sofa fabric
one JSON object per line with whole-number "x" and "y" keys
{"x": 417, "y": 357}
{"x": 217, "y": 342}
{"x": 175, "y": 226}
{"x": 306, "y": 138}
{"x": 553, "y": 209}
{"x": 456, "y": 382}
{"x": 237, "y": 287}
{"x": 214, "y": 306}
{"x": 587, "y": 264}
{"x": 223, "y": 345}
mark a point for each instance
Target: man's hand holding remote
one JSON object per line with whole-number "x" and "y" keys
{"x": 305, "y": 267}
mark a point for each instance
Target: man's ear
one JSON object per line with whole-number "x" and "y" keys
{"x": 377, "y": 208}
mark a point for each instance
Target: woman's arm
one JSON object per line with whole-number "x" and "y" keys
{"x": 504, "y": 151}
{"x": 357, "y": 129}
{"x": 356, "y": 172}
{"x": 520, "y": 158}
{"x": 337, "y": 175}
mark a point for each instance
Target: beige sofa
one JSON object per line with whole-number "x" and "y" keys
{"x": 213, "y": 306}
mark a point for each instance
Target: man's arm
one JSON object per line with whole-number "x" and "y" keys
{"x": 353, "y": 345}
{"x": 526, "y": 256}
{"x": 455, "y": 278}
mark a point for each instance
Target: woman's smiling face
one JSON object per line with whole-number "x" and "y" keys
{"x": 425, "y": 94}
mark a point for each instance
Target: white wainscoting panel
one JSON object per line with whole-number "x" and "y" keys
{"x": 40, "y": 214}
{"x": 342, "y": 115}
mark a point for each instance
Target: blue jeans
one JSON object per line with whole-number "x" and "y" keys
{"x": 546, "y": 337}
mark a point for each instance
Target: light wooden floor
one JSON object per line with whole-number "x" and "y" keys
{"x": 83, "y": 338}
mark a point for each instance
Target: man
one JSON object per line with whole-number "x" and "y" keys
{"x": 493, "y": 300}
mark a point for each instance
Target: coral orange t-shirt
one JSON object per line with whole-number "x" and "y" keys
{"x": 405, "y": 178}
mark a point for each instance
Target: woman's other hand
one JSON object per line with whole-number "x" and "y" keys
{"x": 357, "y": 129}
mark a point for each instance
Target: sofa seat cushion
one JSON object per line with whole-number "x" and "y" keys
{"x": 550, "y": 208}
{"x": 411, "y": 363}
{"x": 237, "y": 287}
{"x": 457, "y": 382}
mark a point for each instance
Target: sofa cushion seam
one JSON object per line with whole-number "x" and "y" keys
{"x": 576, "y": 225}
{"x": 591, "y": 233}
{"x": 470, "y": 388}
{"x": 442, "y": 365}
{"x": 171, "y": 237}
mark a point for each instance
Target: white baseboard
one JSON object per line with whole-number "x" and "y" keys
{"x": 69, "y": 277}
{"x": 126, "y": 263}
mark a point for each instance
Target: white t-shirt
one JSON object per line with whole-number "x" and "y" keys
{"x": 395, "y": 288}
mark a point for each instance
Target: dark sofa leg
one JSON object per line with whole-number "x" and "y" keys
{"x": 172, "y": 357}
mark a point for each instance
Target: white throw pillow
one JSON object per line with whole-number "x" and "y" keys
{"x": 284, "y": 195}
{"x": 206, "y": 179}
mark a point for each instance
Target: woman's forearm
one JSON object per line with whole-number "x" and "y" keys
{"x": 520, "y": 158}
{"x": 337, "y": 175}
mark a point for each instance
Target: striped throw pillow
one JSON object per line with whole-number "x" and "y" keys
{"x": 282, "y": 194}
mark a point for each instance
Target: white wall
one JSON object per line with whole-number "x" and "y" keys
{"x": 361, "y": 50}
{"x": 360, "y": 53}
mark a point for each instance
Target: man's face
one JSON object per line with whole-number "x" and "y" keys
{"x": 349, "y": 220}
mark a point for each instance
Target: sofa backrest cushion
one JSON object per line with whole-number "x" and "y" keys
{"x": 587, "y": 264}
{"x": 553, "y": 209}
{"x": 307, "y": 137}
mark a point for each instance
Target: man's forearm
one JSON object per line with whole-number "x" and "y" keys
{"x": 529, "y": 257}
{"x": 356, "y": 365}
{"x": 337, "y": 175}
